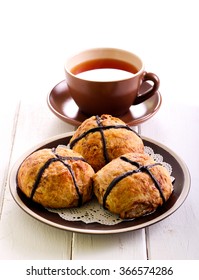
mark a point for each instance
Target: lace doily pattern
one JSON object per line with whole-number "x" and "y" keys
{"x": 93, "y": 212}
{"x": 159, "y": 158}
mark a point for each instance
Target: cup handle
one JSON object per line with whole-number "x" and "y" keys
{"x": 149, "y": 92}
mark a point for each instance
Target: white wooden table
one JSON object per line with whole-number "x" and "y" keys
{"x": 25, "y": 120}
{"x": 23, "y": 237}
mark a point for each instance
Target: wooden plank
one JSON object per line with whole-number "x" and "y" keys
{"x": 130, "y": 245}
{"x": 7, "y": 120}
{"x": 36, "y": 123}
{"x": 21, "y": 236}
{"x": 177, "y": 236}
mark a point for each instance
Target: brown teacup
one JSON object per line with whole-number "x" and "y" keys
{"x": 114, "y": 91}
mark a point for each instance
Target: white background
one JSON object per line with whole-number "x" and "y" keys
{"x": 163, "y": 33}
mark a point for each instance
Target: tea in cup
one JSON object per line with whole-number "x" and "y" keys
{"x": 107, "y": 81}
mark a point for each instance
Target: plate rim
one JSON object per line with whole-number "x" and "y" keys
{"x": 180, "y": 200}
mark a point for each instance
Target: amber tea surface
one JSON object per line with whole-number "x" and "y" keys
{"x": 104, "y": 69}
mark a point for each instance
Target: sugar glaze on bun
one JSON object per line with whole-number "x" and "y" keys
{"x": 101, "y": 139}
{"x": 132, "y": 185}
{"x": 56, "y": 178}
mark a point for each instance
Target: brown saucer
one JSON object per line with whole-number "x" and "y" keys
{"x": 64, "y": 107}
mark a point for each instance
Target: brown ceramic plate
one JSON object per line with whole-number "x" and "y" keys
{"x": 181, "y": 190}
{"x": 64, "y": 107}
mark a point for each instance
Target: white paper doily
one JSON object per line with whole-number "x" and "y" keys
{"x": 93, "y": 212}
